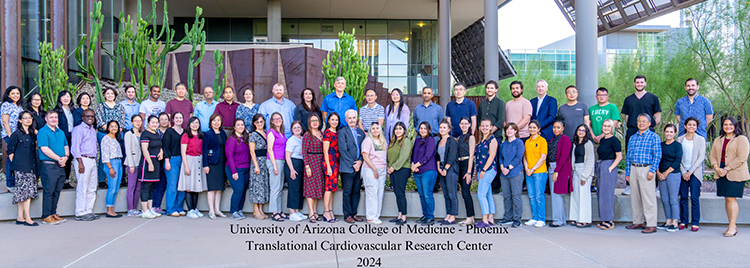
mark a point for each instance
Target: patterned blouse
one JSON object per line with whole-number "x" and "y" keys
{"x": 104, "y": 114}
{"x": 246, "y": 114}
{"x": 552, "y": 149}
{"x": 110, "y": 149}
{"x": 12, "y": 110}
{"x": 482, "y": 152}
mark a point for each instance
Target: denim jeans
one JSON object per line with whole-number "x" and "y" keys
{"x": 425, "y": 183}
{"x": 157, "y": 190}
{"x": 693, "y": 188}
{"x": 239, "y": 188}
{"x": 174, "y": 198}
{"x": 103, "y": 177}
{"x": 484, "y": 192}
{"x": 10, "y": 181}
{"x": 113, "y": 183}
{"x": 670, "y": 189}
{"x": 535, "y": 185}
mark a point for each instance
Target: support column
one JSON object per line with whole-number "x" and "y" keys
{"x": 59, "y": 27}
{"x": 444, "y": 52}
{"x": 274, "y": 20}
{"x": 491, "y": 53}
{"x": 10, "y": 29}
{"x": 587, "y": 68}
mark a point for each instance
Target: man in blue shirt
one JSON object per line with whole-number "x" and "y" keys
{"x": 131, "y": 106}
{"x": 205, "y": 108}
{"x": 641, "y": 163}
{"x": 460, "y": 108}
{"x": 281, "y": 105}
{"x": 428, "y": 112}
{"x": 694, "y": 105}
{"x": 53, "y": 153}
{"x": 338, "y": 101}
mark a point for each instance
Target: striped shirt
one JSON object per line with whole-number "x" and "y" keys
{"x": 643, "y": 148}
{"x": 370, "y": 115}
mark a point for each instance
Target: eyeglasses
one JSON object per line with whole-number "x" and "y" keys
{"x": 27, "y": 118}
{"x": 581, "y": 130}
{"x": 89, "y": 116}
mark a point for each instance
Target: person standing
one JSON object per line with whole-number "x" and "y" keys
{"x": 133, "y": 166}
{"x": 466, "y": 146}
{"x": 397, "y": 111}
{"x": 294, "y": 168}
{"x": 729, "y": 159}
{"x": 459, "y": 108}
{"x": 275, "y": 164}
{"x": 694, "y": 105}
{"x": 83, "y": 149}
{"x": 669, "y": 174}
{"x": 536, "y": 174}
{"x": 338, "y": 101}
{"x": 282, "y": 106}
{"x": 180, "y": 104}
{"x": 111, "y": 155}
{"x": 214, "y": 161}
{"x": 160, "y": 187}
{"x": 560, "y": 172}
{"x": 373, "y": 173}
{"x": 493, "y": 108}
{"x": 35, "y": 105}
{"x": 582, "y": 156}
{"x": 205, "y": 109}
{"x": 258, "y": 184}
{"x": 349, "y": 147}
{"x": 428, "y": 111}
{"x": 642, "y": 160}
{"x": 600, "y": 112}
{"x": 332, "y": 156}
{"x": 447, "y": 168}
{"x": 151, "y": 148}
{"x": 105, "y": 112}
{"x": 307, "y": 107}
{"x": 83, "y": 101}
{"x": 238, "y": 165}
{"x": 372, "y": 112}
{"x": 131, "y": 107}
{"x": 399, "y": 153}
{"x": 640, "y": 102}
{"x": 21, "y": 147}
{"x": 693, "y": 156}
{"x": 544, "y": 109}
{"x": 424, "y": 168}
{"x": 152, "y": 105}
{"x": 53, "y": 153}
{"x": 511, "y": 154}
{"x": 228, "y": 111}
{"x": 573, "y": 112}
{"x": 610, "y": 155}
{"x": 519, "y": 110}
{"x": 10, "y": 109}
{"x": 247, "y": 110}
{"x": 486, "y": 169}
{"x": 192, "y": 178}
{"x": 312, "y": 153}
{"x": 173, "y": 163}
{"x": 64, "y": 108}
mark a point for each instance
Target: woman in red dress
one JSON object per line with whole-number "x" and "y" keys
{"x": 331, "y": 155}
{"x": 312, "y": 153}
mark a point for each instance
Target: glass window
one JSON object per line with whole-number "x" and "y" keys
{"x": 398, "y": 42}
{"x": 107, "y": 38}
{"x": 241, "y": 29}
{"x": 218, "y": 29}
{"x": 309, "y": 32}
{"x": 33, "y": 27}
{"x": 378, "y": 70}
{"x": 420, "y": 42}
{"x": 330, "y": 30}
{"x": 398, "y": 82}
{"x": 260, "y": 27}
{"x": 289, "y": 29}
{"x": 77, "y": 27}
{"x": 30, "y": 72}
{"x": 357, "y": 25}
{"x": 397, "y": 70}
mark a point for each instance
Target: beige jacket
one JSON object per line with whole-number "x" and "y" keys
{"x": 132, "y": 150}
{"x": 699, "y": 156}
{"x": 738, "y": 149}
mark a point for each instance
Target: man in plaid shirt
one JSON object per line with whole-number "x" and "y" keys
{"x": 642, "y": 160}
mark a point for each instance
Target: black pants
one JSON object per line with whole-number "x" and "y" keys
{"x": 159, "y": 187}
{"x": 352, "y": 183}
{"x": 294, "y": 193}
{"x": 146, "y": 191}
{"x": 463, "y": 167}
{"x": 398, "y": 181}
{"x": 53, "y": 179}
{"x": 450, "y": 191}
{"x": 496, "y": 182}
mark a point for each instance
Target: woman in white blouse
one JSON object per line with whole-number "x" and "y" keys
{"x": 112, "y": 159}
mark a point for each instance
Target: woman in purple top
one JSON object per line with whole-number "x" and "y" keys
{"x": 275, "y": 164}
{"x": 425, "y": 172}
{"x": 238, "y": 162}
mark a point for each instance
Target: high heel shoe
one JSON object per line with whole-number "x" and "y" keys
{"x": 326, "y": 219}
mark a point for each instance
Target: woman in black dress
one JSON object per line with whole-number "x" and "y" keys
{"x": 305, "y": 108}
{"x": 22, "y": 153}
{"x": 152, "y": 155}
{"x": 214, "y": 161}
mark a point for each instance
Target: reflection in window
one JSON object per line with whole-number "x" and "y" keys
{"x": 34, "y": 24}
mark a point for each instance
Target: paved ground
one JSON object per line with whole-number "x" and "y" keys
{"x": 183, "y": 242}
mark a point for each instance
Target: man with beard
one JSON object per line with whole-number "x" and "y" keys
{"x": 694, "y": 105}
{"x": 519, "y": 110}
{"x": 640, "y": 102}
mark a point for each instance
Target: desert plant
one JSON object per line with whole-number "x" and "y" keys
{"x": 53, "y": 77}
{"x": 196, "y": 36}
{"x": 87, "y": 64}
{"x": 158, "y": 51}
{"x": 344, "y": 60}
{"x": 220, "y": 80}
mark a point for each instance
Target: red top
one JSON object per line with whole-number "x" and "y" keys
{"x": 724, "y": 150}
{"x": 184, "y": 106}
{"x": 194, "y": 145}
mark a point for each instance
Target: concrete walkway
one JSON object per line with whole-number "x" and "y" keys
{"x": 183, "y": 242}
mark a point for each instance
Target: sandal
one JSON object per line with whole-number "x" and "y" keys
{"x": 277, "y": 217}
{"x": 465, "y": 223}
{"x": 331, "y": 220}
{"x": 583, "y": 225}
{"x": 605, "y": 225}
{"x": 314, "y": 218}
{"x": 573, "y": 223}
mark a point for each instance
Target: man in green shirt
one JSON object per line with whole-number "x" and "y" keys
{"x": 603, "y": 110}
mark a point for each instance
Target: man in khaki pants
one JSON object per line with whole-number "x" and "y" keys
{"x": 642, "y": 160}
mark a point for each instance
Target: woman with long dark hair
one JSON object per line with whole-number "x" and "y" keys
{"x": 259, "y": 187}
{"x": 22, "y": 152}
{"x": 331, "y": 155}
{"x": 173, "y": 166}
{"x": 111, "y": 155}
{"x": 306, "y": 107}
{"x": 486, "y": 170}
{"x": 447, "y": 166}
{"x": 312, "y": 153}
{"x": 192, "y": 178}
{"x": 729, "y": 159}
{"x": 399, "y": 153}
{"x": 64, "y": 108}
{"x": 466, "y": 146}
{"x": 35, "y": 105}
{"x": 238, "y": 163}
{"x": 10, "y": 109}
{"x": 534, "y": 161}
{"x": 424, "y": 168}
{"x": 397, "y": 111}
{"x": 582, "y": 157}
{"x": 133, "y": 165}
{"x": 83, "y": 101}
{"x": 214, "y": 161}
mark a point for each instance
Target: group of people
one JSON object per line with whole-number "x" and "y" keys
{"x": 171, "y": 152}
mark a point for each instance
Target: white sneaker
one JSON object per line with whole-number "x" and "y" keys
{"x": 530, "y": 222}
{"x": 198, "y": 213}
{"x": 658, "y": 193}
{"x": 191, "y": 214}
{"x": 153, "y": 212}
{"x": 375, "y": 221}
{"x": 540, "y": 224}
{"x": 626, "y": 191}
{"x": 295, "y": 217}
{"x": 303, "y": 216}
{"x": 147, "y": 215}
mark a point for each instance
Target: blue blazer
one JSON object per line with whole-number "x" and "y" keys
{"x": 547, "y": 114}
{"x": 211, "y": 148}
{"x": 348, "y": 149}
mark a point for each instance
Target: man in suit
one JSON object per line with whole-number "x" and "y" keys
{"x": 544, "y": 109}
{"x": 350, "y": 161}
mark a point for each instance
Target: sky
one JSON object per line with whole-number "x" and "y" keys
{"x": 530, "y": 24}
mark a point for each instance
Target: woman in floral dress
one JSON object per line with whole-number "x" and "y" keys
{"x": 331, "y": 155}
{"x": 259, "y": 189}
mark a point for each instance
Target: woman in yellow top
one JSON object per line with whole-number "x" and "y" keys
{"x": 536, "y": 174}
{"x": 729, "y": 159}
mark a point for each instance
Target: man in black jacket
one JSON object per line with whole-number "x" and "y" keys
{"x": 350, "y": 162}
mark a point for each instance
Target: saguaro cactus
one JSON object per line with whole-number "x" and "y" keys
{"x": 53, "y": 77}
{"x": 157, "y": 58}
{"x": 87, "y": 64}
{"x": 196, "y": 36}
{"x": 346, "y": 62}
{"x": 220, "y": 80}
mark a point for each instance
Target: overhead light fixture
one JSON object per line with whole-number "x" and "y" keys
{"x": 421, "y": 24}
